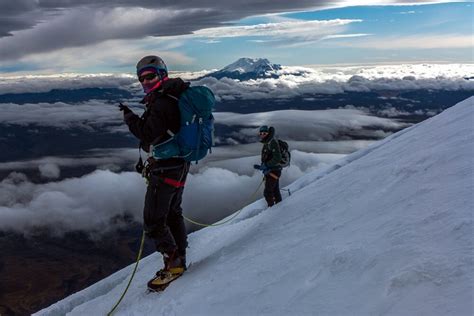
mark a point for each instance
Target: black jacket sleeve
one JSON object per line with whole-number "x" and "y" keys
{"x": 161, "y": 115}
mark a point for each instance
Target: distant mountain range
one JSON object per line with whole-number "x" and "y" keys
{"x": 248, "y": 69}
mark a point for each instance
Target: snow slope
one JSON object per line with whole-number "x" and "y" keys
{"x": 387, "y": 230}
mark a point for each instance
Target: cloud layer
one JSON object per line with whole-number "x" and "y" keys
{"x": 91, "y": 115}
{"x": 307, "y": 125}
{"x": 45, "y": 83}
{"x": 319, "y": 125}
{"x": 317, "y": 79}
{"x": 331, "y": 80}
{"x": 92, "y": 202}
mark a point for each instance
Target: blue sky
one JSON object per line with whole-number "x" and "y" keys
{"x": 377, "y": 23}
{"x": 100, "y": 39}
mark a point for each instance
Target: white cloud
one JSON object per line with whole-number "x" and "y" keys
{"x": 90, "y": 115}
{"x": 45, "y": 83}
{"x": 304, "y": 30}
{"x": 49, "y": 170}
{"x": 338, "y": 79}
{"x": 86, "y": 203}
{"x": 242, "y": 164}
{"x": 96, "y": 115}
{"x": 85, "y": 26}
{"x": 307, "y": 125}
{"x": 112, "y": 54}
{"x": 345, "y": 36}
{"x": 90, "y": 202}
{"x": 104, "y": 158}
{"x": 111, "y": 158}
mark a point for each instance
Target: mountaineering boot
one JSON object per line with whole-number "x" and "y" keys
{"x": 174, "y": 267}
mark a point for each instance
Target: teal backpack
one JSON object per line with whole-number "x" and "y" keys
{"x": 196, "y": 134}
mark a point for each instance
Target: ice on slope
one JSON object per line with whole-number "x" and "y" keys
{"x": 385, "y": 231}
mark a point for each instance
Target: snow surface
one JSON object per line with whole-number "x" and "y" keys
{"x": 387, "y": 230}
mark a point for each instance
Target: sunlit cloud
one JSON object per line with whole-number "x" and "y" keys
{"x": 330, "y": 80}
{"x": 298, "y": 29}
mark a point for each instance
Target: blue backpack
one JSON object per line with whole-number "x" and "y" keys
{"x": 196, "y": 134}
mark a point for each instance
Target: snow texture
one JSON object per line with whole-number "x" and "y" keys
{"x": 386, "y": 230}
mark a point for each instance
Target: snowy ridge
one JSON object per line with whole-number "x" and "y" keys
{"x": 385, "y": 231}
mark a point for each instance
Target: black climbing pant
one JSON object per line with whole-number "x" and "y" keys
{"x": 272, "y": 187}
{"x": 162, "y": 214}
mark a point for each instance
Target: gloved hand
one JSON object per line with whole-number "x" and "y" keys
{"x": 124, "y": 108}
{"x": 262, "y": 168}
{"x": 265, "y": 170}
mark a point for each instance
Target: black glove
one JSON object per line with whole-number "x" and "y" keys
{"x": 124, "y": 108}
{"x": 258, "y": 167}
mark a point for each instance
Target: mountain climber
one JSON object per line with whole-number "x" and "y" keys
{"x": 270, "y": 166}
{"x": 162, "y": 214}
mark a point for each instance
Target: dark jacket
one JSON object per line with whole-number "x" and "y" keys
{"x": 161, "y": 114}
{"x": 271, "y": 155}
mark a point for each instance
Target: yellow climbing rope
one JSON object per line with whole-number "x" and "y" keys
{"x": 131, "y": 278}
{"x": 232, "y": 217}
{"x": 143, "y": 242}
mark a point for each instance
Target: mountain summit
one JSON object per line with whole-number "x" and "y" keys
{"x": 248, "y": 68}
{"x": 368, "y": 235}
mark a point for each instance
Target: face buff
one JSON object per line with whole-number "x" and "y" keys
{"x": 149, "y": 86}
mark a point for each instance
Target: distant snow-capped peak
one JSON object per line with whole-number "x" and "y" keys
{"x": 248, "y": 68}
{"x": 256, "y": 65}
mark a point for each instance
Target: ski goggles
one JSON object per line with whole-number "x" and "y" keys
{"x": 149, "y": 76}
